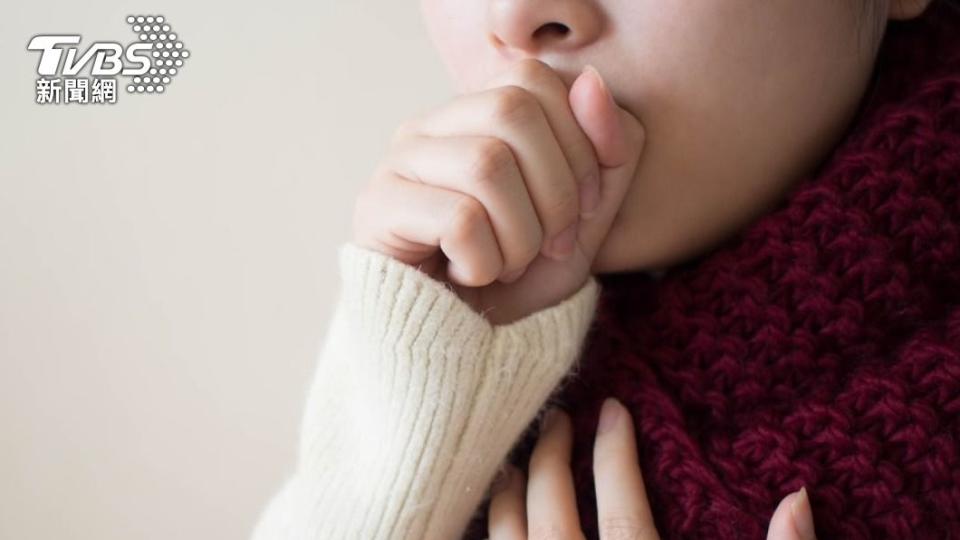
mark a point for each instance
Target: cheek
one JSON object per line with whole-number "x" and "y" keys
{"x": 734, "y": 117}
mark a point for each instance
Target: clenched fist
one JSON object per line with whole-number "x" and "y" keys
{"x": 506, "y": 193}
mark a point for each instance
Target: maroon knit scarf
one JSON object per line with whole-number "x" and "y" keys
{"x": 819, "y": 347}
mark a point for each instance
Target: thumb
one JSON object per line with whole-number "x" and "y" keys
{"x": 616, "y": 135}
{"x": 793, "y": 518}
{"x": 618, "y": 138}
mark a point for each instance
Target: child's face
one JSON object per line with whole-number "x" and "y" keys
{"x": 739, "y": 98}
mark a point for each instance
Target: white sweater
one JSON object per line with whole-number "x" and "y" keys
{"x": 415, "y": 402}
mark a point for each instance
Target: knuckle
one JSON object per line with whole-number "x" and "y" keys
{"x": 564, "y": 206}
{"x": 524, "y": 251}
{"x": 514, "y": 105}
{"x": 468, "y": 216}
{"x": 619, "y": 527}
{"x": 492, "y": 159}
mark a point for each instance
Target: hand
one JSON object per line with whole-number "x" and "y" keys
{"x": 545, "y": 506}
{"x": 490, "y": 192}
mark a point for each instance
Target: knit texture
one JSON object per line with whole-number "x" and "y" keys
{"x": 820, "y": 347}
{"x": 414, "y": 404}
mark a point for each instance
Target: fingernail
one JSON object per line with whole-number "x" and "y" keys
{"x": 609, "y": 414}
{"x": 803, "y": 515}
{"x": 589, "y": 195}
{"x": 561, "y": 247}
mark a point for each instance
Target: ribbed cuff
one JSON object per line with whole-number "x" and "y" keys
{"x": 416, "y": 400}
{"x": 405, "y": 309}
{"x": 392, "y": 299}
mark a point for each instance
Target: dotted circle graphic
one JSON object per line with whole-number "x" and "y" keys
{"x": 166, "y": 51}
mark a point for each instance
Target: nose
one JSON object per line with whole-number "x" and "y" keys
{"x": 539, "y": 26}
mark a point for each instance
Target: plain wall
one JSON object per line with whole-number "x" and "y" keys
{"x": 168, "y": 263}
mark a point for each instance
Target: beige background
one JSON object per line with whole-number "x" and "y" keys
{"x": 167, "y": 264}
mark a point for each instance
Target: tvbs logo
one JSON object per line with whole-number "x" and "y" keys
{"x": 151, "y": 62}
{"x": 106, "y": 56}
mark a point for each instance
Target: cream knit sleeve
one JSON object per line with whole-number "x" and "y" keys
{"x": 414, "y": 404}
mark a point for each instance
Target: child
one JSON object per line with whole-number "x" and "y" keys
{"x": 796, "y": 185}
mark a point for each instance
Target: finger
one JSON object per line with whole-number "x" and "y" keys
{"x": 484, "y": 168}
{"x": 548, "y": 87}
{"x": 595, "y": 108}
{"x": 622, "y": 507}
{"x": 551, "y": 498}
{"x": 618, "y": 138}
{"x": 512, "y": 114}
{"x": 409, "y": 220}
{"x": 793, "y": 518}
{"x": 507, "y": 519}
